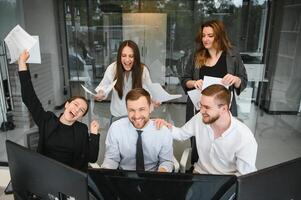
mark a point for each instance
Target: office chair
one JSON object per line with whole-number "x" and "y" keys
{"x": 176, "y": 165}
{"x": 190, "y": 152}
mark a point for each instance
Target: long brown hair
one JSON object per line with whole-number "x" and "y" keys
{"x": 137, "y": 68}
{"x": 221, "y": 41}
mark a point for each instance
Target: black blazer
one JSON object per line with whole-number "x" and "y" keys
{"x": 86, "y": 145}
{"x": 235, "y": 66}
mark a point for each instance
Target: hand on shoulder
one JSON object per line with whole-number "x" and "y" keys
{"x": 159, "y": 123}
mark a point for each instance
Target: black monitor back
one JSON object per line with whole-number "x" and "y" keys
{"x": 35, "y": 176}
{"x": 281, "y": 182}
{"x": 117, "y": 184}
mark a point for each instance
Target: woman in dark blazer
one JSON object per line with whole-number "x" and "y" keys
{"x": 215, "y": 57}
{"x": 62, "y": 138}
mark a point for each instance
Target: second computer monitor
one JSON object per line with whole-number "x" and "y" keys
{"x": 118, "y": 184}
{"x": 35, "y": 176}
{"x": 282, "y": 181}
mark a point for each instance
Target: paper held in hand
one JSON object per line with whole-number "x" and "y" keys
{"x": 209, "y": 80}
{"x": 159, "y": 94}
{"x": 17, "y": 41}
{"x": 195, "y": 95}
{"x": 87, "y": 90}
{"x": 107, "y": 89}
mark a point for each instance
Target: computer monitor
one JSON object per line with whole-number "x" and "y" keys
{"x": 35, "y": 176}
{"x": 281, "y": 181}
{"x": 118, "y": 184}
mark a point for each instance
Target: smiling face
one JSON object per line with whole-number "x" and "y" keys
{"x": 209, "y": 109}
{"x": 138, "y": 112}
{"x": 74, "y": 110}
{"x": 208, "y": 37}
{"x": 127, "y": 58}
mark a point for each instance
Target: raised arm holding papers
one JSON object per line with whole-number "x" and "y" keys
{"x": 17, "y": 41}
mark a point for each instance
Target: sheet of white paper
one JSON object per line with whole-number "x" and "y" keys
{"x": 35, "y": 53}
{"x": 87, "y": 90}
{"x": 159, "y": 94}
{"x": 209, "y": 80}
{"x": 17, "y": 41}
{"x": 195, "y": 96}
{"x": 107, "y": 89}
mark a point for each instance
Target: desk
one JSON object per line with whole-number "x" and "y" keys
{"x": 75, "y": 85}
{"x": 5, "y": 176}
{"x": 255, "y": 74}
{"x": 175, "y": 61}
{"x": 4, "y": 180}
{"x": 4, "y": 196}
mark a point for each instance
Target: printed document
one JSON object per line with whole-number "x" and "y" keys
{"x": 87, "y": 90}
{"x": 195, "y": 95}
{"x": 159, "y": 94}
{"x": 35, "y": 53}
{"x": 209, "y": 80}
{"x": 17, "y": 41}
{"x": 107, "y": 89}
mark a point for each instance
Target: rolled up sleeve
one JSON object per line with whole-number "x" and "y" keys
{"x": 112, "y": 156}
{"x": 166, "y": 154}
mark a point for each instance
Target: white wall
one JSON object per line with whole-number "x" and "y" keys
{"x": 11, "y": 13}
{"x": 39, "y": 17}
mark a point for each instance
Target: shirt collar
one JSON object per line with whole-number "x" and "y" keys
{"x": 228, "y": 130}
{"x": 147, "y": 127}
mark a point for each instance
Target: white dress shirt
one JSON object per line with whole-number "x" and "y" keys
{"x": 121, "y": 147}
{"x": 232, "y": 153}
{"x": 118, "y": 106}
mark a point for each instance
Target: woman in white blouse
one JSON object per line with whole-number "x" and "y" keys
{"x": 129, "y": 72}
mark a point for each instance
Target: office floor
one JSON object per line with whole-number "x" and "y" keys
{"x": 278, "y": 136}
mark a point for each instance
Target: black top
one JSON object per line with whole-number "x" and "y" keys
{"x": 74, "y": 147}
{"x": 61, "y": 145}
{"x": 218, "y": 70}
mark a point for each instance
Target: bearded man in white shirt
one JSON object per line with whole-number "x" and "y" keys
{"x": 224, "y": 144}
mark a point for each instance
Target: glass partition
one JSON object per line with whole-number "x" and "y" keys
{"x": 165, "y": 32}
{"x": 267, "y": 34}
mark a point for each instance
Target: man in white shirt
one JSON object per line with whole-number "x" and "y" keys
{"x": 224, "y": 144}
{"x": 123, "y": 150}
